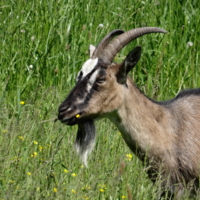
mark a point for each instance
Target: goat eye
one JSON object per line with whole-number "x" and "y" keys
{"x": 100, "y": 80}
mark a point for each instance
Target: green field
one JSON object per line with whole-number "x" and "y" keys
{"x": 43, "y": 44}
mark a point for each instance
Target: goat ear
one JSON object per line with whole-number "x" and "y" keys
{"x": 91, "y": 50}
{"x": 128, "y": 64}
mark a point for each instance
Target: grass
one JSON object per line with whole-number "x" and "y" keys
{"x": 43, "y": 45}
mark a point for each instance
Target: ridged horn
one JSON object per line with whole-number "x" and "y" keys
{"x": 104, "y": 42}
{"x": 111, "y": 50}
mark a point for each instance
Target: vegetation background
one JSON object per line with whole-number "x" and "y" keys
{"x": 43, "y": 44}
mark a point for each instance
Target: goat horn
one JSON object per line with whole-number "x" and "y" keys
{"x": 104, "y": 42}
{"x": 111, "y": 50}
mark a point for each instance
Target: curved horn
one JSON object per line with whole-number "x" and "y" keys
{"x": 119, "y": 42}
{"x": 104, "y": 42}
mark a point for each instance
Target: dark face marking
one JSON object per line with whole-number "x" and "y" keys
{"x": 78, "y": 99}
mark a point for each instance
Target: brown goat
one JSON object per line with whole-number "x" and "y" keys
{"x": 165, "y": 134}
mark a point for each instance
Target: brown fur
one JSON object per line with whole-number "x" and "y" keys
{"x": 169, "y": 135}
{"x": 166, "y": 135}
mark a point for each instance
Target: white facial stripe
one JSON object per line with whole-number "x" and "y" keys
{"x": 92, "y": 80}
{"x": 93, "y": 77}
{"x": 88, "y": 66}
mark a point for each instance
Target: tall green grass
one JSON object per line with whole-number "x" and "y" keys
{"x": 43, "y": 44}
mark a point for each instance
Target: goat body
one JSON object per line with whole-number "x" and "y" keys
{"x": 166, "y": 134}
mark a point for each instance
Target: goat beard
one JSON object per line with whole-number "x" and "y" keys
{"x": 85, "y": 140}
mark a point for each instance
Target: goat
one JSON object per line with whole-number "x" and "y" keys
{"x": 164, "y": 135}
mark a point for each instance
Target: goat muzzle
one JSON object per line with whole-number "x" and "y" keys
{"x": 67, "y": 116}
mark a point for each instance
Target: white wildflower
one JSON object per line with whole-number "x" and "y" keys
{"x": 32, "y": 38}
{"x": 30, "y": 66}
{"x": 101, "y": 26}
{"x": 189, "y": 44}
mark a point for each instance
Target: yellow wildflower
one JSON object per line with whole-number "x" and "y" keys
{"x": 129, "y": 157}
{"x": 28, "y": 173}
{"x": 102, "y": 190}
{"x": 78, "y": 116}
{"x": 55, "y": 189}
{"x": 21, "y": 137}
{"x": 35, "y": 142}
{"x": 34, "y": 154}
{"x": 22, "y": 102}
{"x": 66, "y": 171}
{"x": 73, "y": 191}
{"x": 123, "y": 197}
{"x": 74, "y": 175}
{"x": 4, "y": 131}
{"x": 40, "y": 148}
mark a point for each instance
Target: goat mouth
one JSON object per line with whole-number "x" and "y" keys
{"x": 71, "y": 120}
